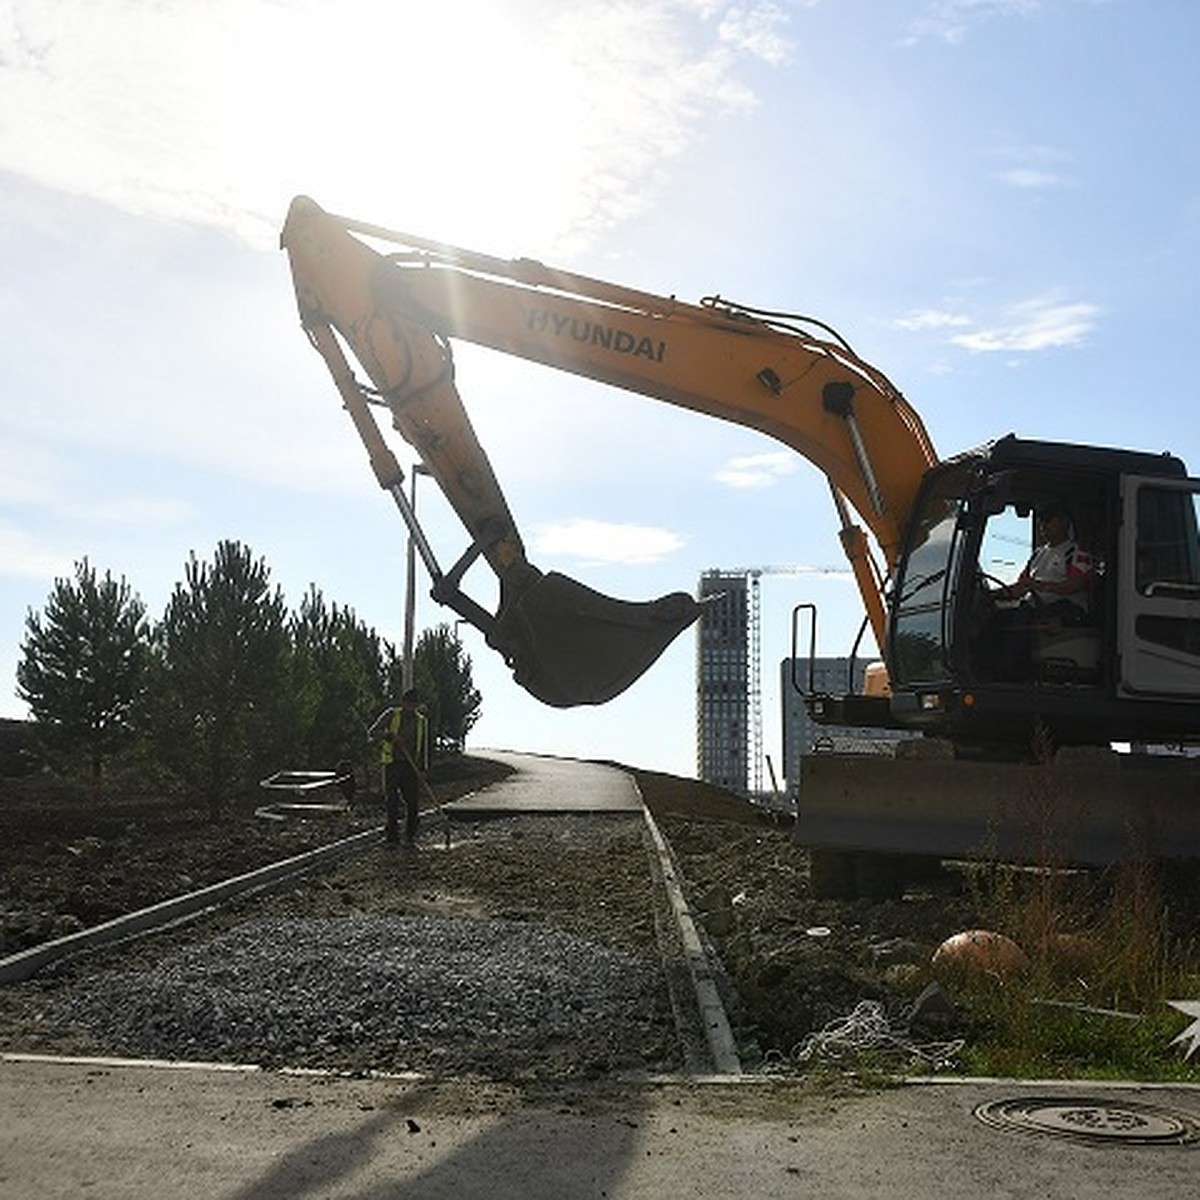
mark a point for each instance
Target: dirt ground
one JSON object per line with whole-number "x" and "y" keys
{"x": 792, "y": 963}
{"x": 68, "y": 861}
{"x": 797, "y": 963}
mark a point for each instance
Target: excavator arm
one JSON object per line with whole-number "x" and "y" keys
{"x": 397, "y": 313}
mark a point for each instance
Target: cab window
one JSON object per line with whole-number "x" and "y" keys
{"x": 1168, "y": 545}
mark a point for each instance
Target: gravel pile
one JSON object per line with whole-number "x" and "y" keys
{"x": 414, "y": 993}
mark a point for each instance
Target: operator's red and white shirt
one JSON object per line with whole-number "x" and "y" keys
{"x": 1055, "y": 564}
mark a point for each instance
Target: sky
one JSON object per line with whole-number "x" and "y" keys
{"x": 997, "y": 202}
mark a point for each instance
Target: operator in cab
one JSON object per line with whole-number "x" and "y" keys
{"x": 1057, "y": 580}
{"x": 1052, "y": 592}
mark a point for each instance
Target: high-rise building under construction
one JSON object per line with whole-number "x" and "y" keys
{"x": 723, "y": 680}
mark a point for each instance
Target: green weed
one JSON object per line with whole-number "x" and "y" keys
{"x": 1105, "y": 952}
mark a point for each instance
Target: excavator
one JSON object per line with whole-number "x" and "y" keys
{"x": 1013, "y": 723}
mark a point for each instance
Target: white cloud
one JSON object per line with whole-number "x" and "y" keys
{"x": 757, "y": 470}
{"x": 137, "y": 512}
{"x": 538, "y": 121}
{"x": 28, "y": 474}
{"x": 23, "y": 556}
{"x": 35, "y": 480}
{"x": 1033, "y": 167}
{"x": 604, "y": 542}
{"x": 1044, "y": 322}
{"x": 756, "y": 28}
{"x": 932, "y": 318}
{"x": 1038, "y": 324}
{"x": 1030, "y": 179}
{"x": 951, "y": 21}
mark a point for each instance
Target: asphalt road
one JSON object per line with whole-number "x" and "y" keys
{"x": 132, "y": 1132}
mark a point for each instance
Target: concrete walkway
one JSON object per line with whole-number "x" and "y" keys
{"x": 541, "y": 784}
{"x": 139, "y": 1133}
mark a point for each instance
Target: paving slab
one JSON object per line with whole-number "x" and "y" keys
{"x": 128, "y": 1132}
{"x": 543, "y": 784}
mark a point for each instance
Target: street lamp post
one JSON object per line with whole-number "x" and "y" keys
{"x": 410, "y": 582}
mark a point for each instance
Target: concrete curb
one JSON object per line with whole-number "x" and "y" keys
{"x": 747, "y": 1080}
{"x": 721, "y": 1044}
{"x": 25, "y": 964}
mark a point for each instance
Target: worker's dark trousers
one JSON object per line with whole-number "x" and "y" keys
{"x": 400, "y": 783}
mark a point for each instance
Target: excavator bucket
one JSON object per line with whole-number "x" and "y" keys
{"x": 569, "y": 645}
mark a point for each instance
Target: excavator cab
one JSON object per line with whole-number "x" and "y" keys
{"x": 1018, "y": 759}
{"x": 973, "y": 650}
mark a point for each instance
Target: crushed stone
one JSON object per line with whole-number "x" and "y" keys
{"x": 290, "y": 989}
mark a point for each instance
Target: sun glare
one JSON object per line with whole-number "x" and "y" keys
{"x": 449, "y": 121}
{"x": 517, "y": 126}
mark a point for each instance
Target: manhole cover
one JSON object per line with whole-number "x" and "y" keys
{"x": 1100, "y": 1122}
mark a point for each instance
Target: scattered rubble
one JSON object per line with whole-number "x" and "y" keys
{"x": 792, "y": 964}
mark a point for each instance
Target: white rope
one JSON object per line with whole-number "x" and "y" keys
{"x": 867, "y": 1031}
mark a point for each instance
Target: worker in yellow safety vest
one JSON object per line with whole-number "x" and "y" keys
{"x": 404, "y": 753}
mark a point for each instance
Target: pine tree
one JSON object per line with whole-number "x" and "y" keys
{"x": 82, "y": 667}
{"x": 221, "y": 701}
{"x": 338, "y": 674}
{"x": 442, "y": 673}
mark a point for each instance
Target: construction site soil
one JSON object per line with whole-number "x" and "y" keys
{"x": 789, "y": 963}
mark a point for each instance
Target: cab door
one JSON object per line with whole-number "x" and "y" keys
{"x": 1159, "y": 587}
